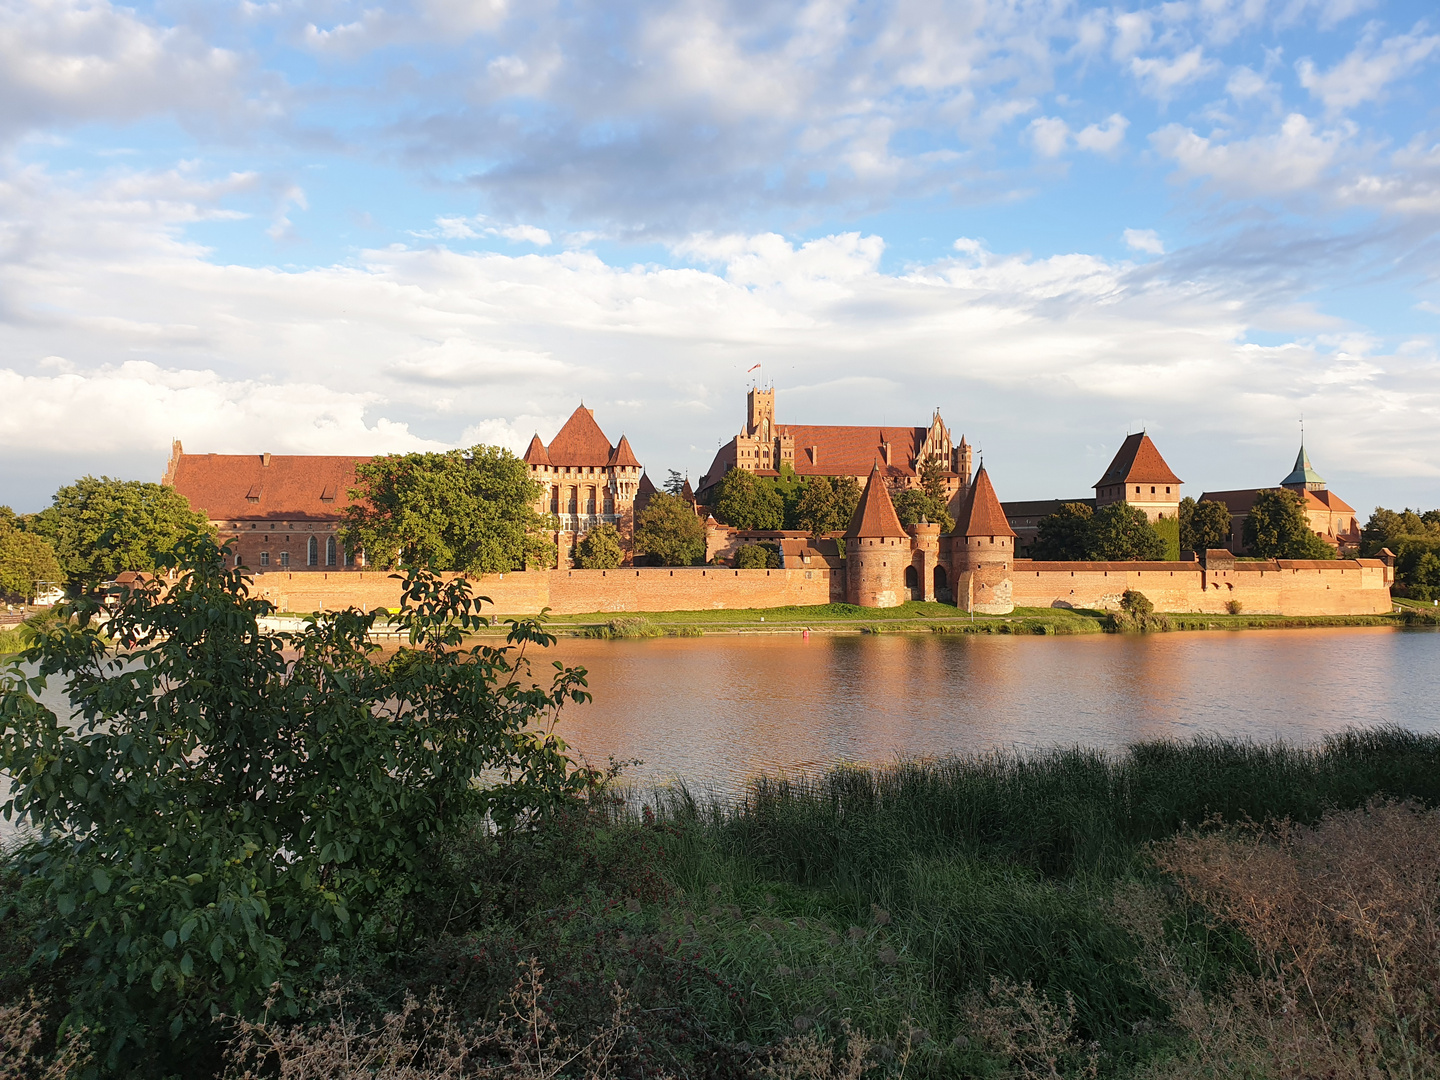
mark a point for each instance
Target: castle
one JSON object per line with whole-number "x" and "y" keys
{"x": 283, "y": 514}
{"x": 899, "y": 454}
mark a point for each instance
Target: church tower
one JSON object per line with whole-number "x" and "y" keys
{"x": 760, "y": 414}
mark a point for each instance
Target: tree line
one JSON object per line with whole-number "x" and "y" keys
{"x": 1414, "y": 538}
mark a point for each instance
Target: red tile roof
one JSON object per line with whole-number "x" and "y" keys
{"x": 854, "y": 451}
{"x": 291, "y": 487}
{"x": 982, "y": 514}
{"x": 875, "y": 513}
{"x": 1330, "y": 501}
{"x": 623, "y": 455}
{"x": 580, "y": 441}
{"x": 535, "y": 453}
{"x": 1138, "y": 462}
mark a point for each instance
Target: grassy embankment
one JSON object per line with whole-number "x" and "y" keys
{"x": 916, "y": 617}
{"x": 986, "y": 916}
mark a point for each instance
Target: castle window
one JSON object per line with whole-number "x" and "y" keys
{"x": 1152, "y": 489}
{"x": 330, "y": 551}
{"x": 1137, "y": 489}
{"x": 312, "y": 552}
{"x": 264, "y": 558}
{"x": 284, "y": 558}
{"x": 1167, "y": 489}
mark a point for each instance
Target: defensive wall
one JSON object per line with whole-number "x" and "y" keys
{"x": 571, "y": 592}
{"x": 1271, "y": 587}
{"x": 1275, "y": 587}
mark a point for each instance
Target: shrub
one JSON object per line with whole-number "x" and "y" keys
{"x": 756, "y": 557}
{"x": 600, "y": 549}
{"x": 1234, "y": 607}
{"x": 230, "y": 800}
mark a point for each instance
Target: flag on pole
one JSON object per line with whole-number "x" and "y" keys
{"x": 748, "y": 370}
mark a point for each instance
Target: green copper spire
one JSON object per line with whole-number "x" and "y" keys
{"x": 1304, "y": 476}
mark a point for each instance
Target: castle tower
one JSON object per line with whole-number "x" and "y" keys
{"x": 982, "y": 547}
{"x": 877, "y": 549}
{"x": 929, "y": 578}
{"x": 1302, "y": 478}
{"x": 760, "y": 414}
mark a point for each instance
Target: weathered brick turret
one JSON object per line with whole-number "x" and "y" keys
{"x": 982, "y": 547}
{"x": 877, "y": 549}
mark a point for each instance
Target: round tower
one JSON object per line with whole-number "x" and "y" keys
{"x": 877, "y": 549}
{"x": 925, "y": 561}
{"x": 982, "y": 550}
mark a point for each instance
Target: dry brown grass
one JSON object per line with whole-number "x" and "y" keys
{"x": 22, "y": 1039}
{"x": 425, "y": 1042}
{"x": 1343, "y": 921}
{"x": 1034, "y": 1035}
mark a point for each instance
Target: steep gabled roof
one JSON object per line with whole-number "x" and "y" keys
{"x": 623, "y": 455}
{"x": 279, "y": 487}
{"x": 982, "y": 514}
{"x": 853, "y": 450}
{"x": 1330, "y": 501}
{"x": 1138, "y": 462}
{"x": 535, "y": 454}
{"x": 875, "y": 513}
{"x": 580, "y": 441}
{"x": 1303, "y": 473}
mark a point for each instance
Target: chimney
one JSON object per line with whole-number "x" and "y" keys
{"x": 265, "y": 460}
{"x": 886, "y": 448}
{"x": 814, "y": 455}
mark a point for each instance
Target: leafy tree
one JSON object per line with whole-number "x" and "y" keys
{"x": 912, "y": 504}
{"x": 1278, "y": 528}
{"x": 675, "y": 484}
{"x": 816, "y": 510}
{"x": 1064, "y": 535}
{"x": 472, "y": 511}
{"x": 1204, "y": 526}
{"x": 25, "y": 560}
{"x": 847, "y": 499}
{"x": 756, "y": 557}
{"x": 669, "y": 532}
{"x": 932, "y": 479}
{"x": 1121, "y": 532}
{"x": 600, "y": 549}
{"x": 99, "y": 527}
{"x": 744, "y": 501}
{"x": 228, "y": 800}
{"x": 1137, "y": 603}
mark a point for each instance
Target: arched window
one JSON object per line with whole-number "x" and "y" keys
{"x": 312, "y": 552}
{"x": 330, "y": 551}
{"x": 912, "y": 579}
{"x": 941, "y": 581}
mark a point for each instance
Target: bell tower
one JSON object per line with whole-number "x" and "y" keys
{"x": 760, "y": 414}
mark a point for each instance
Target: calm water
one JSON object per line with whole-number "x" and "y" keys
{"x": 718, "y": 710}
{"x": 715, "y": 711}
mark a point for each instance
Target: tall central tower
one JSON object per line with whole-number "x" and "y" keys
{"x": 760, "y": 414}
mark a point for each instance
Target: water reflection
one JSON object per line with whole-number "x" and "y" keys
{"x": 718, "y": 710}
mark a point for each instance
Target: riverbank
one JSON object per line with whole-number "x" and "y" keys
{"x": 975, "y": 916}
{"x": 917, "y": 617}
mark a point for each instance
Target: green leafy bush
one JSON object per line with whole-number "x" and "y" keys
{"x": 225, "y": 801}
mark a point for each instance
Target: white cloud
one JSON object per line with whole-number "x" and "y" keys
{"x": 1295, "y": 158}
{"x": 66, "y": 62}
{"x": 1161, "y": 77}
{"x": 1050, "y": 135}
{"x": 1365, "y": 73}
{"x": 1246, "y": 84}
{"x": 1103, "y": 138}
{"x": 526, "y": 234}
{"x": 1146, "y": 240}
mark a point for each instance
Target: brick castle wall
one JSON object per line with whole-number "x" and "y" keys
{"x": 1338, "y": 587}
{"x": 571, "y": 592}
{"x": 1330, "y": 587}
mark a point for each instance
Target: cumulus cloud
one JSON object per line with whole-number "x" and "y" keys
{"x": 1146, "y": 240}
{"x": 65, "y": 62}
{"x": 1368, "y": 70}
{"x": 1161, "y": 77}
{"x": 414, "y": 347}
{"x": 1294, "y": 158}
{"x": 1052, "y": 136}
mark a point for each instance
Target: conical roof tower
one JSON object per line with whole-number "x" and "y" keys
{"x": 982, "y": 514}
{"x": 1303, "y": 477}
{"x": 875, "y": 513}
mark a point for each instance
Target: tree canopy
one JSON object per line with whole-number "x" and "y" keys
{"x": 99, "y": 526}
{"x": 1064, "y": 536}
{"x": 25, "y": 561}
{"x": 226, "y": 801}
{"x": 600, "y": 549}
{"x": 1279, "y": 528}
{"x": 912, "y": 504}
{"x": 669, "y": 531}
{"x": 1118, "y": 532}
{"x": 1121, "y": 532}
{"x": 472, "y": 511}
{"x": 745, "y": 501}
{"x": 1204, "y": 525}
{"x": 1414, "y": 538}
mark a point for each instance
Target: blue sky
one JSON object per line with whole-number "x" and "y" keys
{"x": 347, "y": 227}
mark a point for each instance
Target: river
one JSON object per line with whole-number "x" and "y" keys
{"x": 715, "y": 711}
